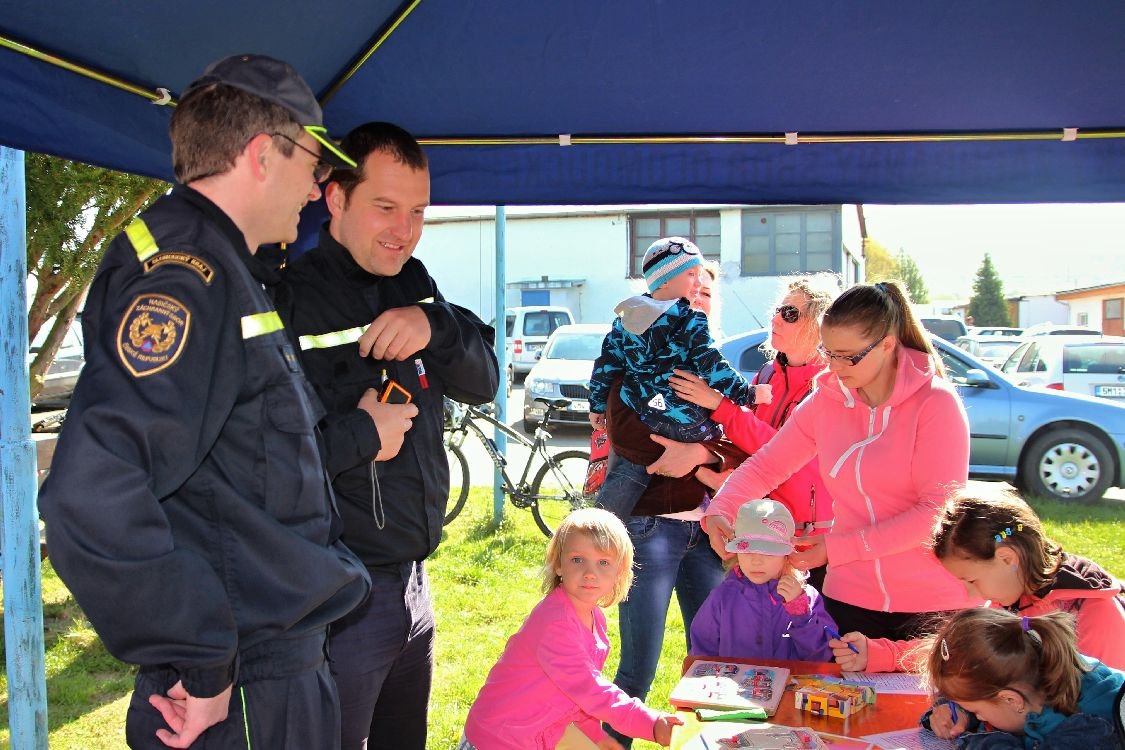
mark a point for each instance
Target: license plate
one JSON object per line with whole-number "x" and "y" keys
{"x": 580, "y": 406}
{"x": 1110, "y": 391}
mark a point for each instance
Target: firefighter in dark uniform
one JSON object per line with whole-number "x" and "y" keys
{"x": 370, "y": 319}
{"x": 188, "y": 508}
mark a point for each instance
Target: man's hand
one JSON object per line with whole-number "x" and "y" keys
{"x": 763, "y": 394}
{"x": 849, "y": 661}
{"x": 397, "y": 334}
{"x": 789, "y": 587}
{"x": 597, "y": 421}
{"x": 392, "y": 421}
{"x": 678, "y": 458}
{"x": 187, "y": 716}
{"x": 662, "y": 732}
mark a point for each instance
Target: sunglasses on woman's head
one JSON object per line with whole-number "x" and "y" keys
{"x": 788, "y": 313}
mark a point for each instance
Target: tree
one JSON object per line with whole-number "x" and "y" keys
{"x": 911, "y": 277}
{"x": 987, "y": 306}
{"x": 72, "y": 209}
{"x": 880, "y": 266}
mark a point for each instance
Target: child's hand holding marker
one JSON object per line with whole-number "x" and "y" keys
{"x": 850, "y": 651}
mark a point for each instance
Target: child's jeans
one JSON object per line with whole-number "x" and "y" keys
{"x": 626, "y": 481}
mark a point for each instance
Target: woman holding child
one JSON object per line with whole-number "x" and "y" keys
{"x": 892, "y": 439}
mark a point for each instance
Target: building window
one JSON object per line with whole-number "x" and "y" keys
{"x": 1112, "y": 309}
{"x": 1083, "y": 319}
{"x": 777, "y": 242}
{"x": 701, "y": 227}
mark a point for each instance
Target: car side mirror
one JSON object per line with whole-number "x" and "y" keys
{"x": 977, "y": 378}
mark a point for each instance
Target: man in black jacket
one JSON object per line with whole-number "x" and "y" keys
{"x": 417, "y": 346}
{"x": 188, "y": 508}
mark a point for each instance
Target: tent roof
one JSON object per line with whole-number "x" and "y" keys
{"x": 627, "y": 71}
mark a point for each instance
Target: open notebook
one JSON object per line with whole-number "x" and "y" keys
{"x": 716, "y": 684}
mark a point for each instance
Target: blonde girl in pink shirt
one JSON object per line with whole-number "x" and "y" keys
{"x": 547, "y": 691}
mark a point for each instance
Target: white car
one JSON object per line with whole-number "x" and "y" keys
{"x": 1092, "y": 365}
{"x": 527, "y": 329}
{"x": 563, "y": 371}
{"x": 993, "y": 349}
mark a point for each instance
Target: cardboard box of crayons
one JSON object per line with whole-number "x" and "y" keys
{"x": 830, "y": 696}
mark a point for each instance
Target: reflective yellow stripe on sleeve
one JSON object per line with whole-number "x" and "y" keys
{"x": 329, "y": 340}
{"x": 143, "y": 243}
{"x": 260, "y": 324}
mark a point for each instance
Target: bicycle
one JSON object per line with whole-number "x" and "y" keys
{"x": 559, "y": 485}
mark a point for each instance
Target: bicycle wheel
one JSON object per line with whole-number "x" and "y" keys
{"x": 558, "y": 489}
{"x": 458, "y": 482}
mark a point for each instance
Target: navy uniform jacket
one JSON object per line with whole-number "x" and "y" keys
{"x": 187, "y": 507}
{"x": 392, "y": 510}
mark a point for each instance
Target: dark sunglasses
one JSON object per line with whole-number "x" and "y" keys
{"x": 851, "y": 359}
{"x": 788, "y": 313}
{"x": 321, "y": 170}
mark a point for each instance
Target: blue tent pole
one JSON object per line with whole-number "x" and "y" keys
{"x": 502, "y": 359}
{"x": 23, "y": 598}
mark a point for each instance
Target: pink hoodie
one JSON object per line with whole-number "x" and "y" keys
{"x": 549, "y": 676}
{"x": 888, "y": 470}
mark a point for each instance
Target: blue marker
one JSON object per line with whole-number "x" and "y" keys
{"x": 837, "y": 636}
{"x": 953, "y": 711}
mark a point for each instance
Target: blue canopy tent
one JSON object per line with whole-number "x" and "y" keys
{"x": 630, "y": 101}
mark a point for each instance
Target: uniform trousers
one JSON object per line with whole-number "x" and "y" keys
{"x": 382, "y": 657}
{"x": 283, "y": 697}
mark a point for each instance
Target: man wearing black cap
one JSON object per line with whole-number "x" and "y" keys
{"x": 188, "y": 508}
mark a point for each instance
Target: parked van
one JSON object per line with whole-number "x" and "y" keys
{"x": 946, "y": 326}
{"x": 527, "y": 329}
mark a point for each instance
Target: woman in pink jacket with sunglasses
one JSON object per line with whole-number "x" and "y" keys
{"x": 892, "y": 441}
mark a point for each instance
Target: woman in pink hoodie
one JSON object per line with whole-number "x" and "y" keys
{"x": 892, "y": 441}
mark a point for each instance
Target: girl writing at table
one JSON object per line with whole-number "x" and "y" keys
{"x": 1022, "y": 682}
{"x": 764, "y": 609}
{"x": 992, "y": 540}
{"x": 547, "y": 691}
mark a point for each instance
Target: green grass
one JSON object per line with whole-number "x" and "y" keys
{"x": 485, "y": 580}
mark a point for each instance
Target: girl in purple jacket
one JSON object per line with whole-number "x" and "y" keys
{"x": 547, "y": 691}
{"x": 764, "y": 609}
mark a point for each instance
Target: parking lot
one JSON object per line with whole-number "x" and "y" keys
{"x": 563, "y": 438}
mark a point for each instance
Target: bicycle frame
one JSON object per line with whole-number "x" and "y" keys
{"x": 521, "y": 492}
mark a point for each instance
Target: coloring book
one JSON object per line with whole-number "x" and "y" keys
{"x": 716, "y": 684}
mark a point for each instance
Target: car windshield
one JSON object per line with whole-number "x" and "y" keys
{"x": 585, "y": 346}
{"x": 997, "y": 349}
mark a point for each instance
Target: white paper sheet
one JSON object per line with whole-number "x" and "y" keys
{"x": 889, "y": 683}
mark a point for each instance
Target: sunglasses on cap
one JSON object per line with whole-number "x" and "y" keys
{"x": 788, "y": 313}
{"x": 322, "y": 169}
{"x": 851, "y": 359}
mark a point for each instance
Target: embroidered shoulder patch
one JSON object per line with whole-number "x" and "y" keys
{"x": 200, "y": 266}
{"x": 152, "y": 334}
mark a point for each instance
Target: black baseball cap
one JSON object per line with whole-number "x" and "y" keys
{"x": 277, "y": 82}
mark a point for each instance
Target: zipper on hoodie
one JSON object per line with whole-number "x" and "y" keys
{"x": 870, "y": 510}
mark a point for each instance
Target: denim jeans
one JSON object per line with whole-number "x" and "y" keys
{"x": 669, "y": 553}
{"x": 624, "y": 484}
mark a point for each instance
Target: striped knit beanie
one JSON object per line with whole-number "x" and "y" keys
{"x": 668, "y": 257}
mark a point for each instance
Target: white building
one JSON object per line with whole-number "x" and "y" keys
{"x": 588, "y": 258}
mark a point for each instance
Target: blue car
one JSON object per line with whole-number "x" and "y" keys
{"x": 1047, "y": 443}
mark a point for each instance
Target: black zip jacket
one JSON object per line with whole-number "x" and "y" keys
{"x": 187, "y": 507}
{"x": 392, "y": 510}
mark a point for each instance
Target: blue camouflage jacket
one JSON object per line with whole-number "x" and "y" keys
{"x": 648, "y": 340}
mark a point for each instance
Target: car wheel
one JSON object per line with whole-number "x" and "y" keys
{"x": 1068, "y": 465}
{"x": 529, "y": 425}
